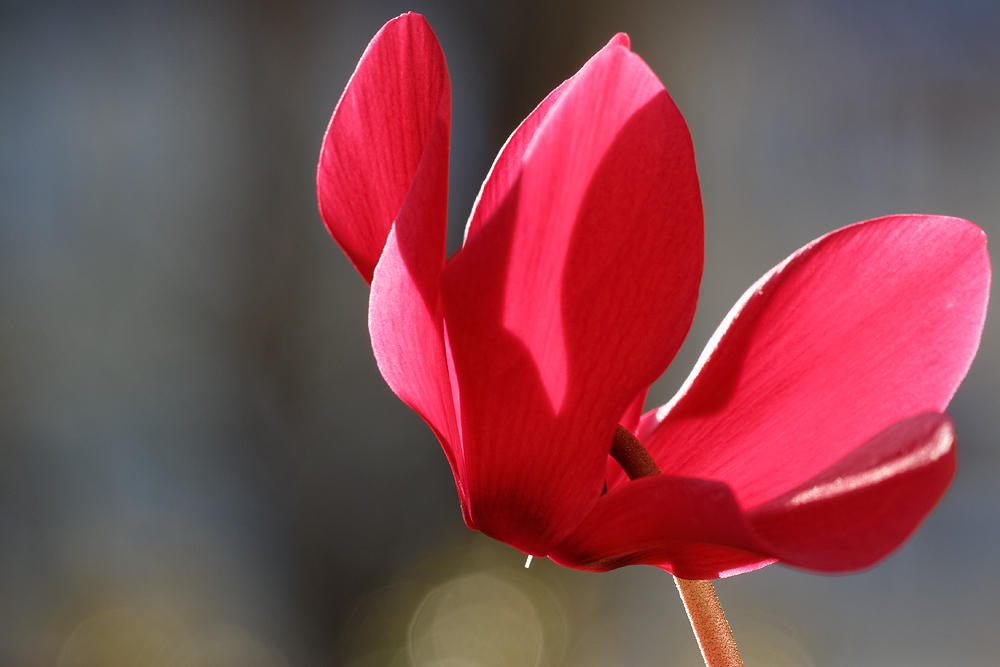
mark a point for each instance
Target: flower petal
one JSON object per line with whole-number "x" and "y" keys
{"x": 847, "y": 518}
{"x": 866, "y": 505}
{"x": 378, "y": 135}
{"x": 865, "y": 326}
{"x": 692, "y": 528}
{"x": 405, "y": 87}
{"x": 630, "y": 419}
{"x": 572, "y": 297}
{"x": 507, "y": 167}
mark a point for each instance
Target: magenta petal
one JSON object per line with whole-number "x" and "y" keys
{"x": 866, "y": 505}
{"x": 847, "y": 518}
{"x": 690, "y": 527}
{"x": 378, "y": 135}
{"x": 507, "y": 167}
{"x": 859, "y": 329}
{"x": 405, "y": 315}
{"x": 572, "y": 297}
{"x": 630, "y": 419}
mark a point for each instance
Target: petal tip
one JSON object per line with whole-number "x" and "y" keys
{"x": 621, "y": 39}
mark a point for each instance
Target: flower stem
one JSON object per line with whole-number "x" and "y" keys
{"x": 715, "y": 639}
{"x": 708, "y": 621}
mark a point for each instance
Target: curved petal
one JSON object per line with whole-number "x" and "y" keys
{"x": 405, "y": 315}
{"x": 507, "y": 167}
{"x": 573, "y": 297}
{"x": 691, "y": 527}
{"x": 632, "y": 414}
{"x": 852, "y": 515}
{"x": 377, "y": 137}
{"x": 866, "y": 505}
{"x": 867, "y": 325}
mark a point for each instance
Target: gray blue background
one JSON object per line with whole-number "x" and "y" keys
{"x": 199, "y": 463}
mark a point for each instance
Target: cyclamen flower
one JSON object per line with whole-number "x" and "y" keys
{"x": 812, "y": 429}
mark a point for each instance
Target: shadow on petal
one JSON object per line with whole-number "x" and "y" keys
{"x": 866, "y": 505}
{"x": 847, "y": 518}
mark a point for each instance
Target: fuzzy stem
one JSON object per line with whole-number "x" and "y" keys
{"x": 715, "y": 639}
{"x": 708, "y": 621}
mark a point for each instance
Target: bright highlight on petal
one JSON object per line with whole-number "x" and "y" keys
{"x": 811, "y": 431}
{"x": 937, "y": 446}
{"x": 864, "y": 506}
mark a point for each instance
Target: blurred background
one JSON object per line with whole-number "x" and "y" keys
{"x": 199, "y": 462}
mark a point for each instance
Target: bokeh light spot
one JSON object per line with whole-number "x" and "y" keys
{"x": 476, "y": 621}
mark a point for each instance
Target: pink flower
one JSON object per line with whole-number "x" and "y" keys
{"x": 812, "y": 429}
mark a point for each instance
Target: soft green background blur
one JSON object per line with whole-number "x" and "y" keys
{"x": 199, "y": 463}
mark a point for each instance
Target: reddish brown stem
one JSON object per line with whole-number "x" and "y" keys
{"x": 631, "y": 455}
{"x": 715, "y": 639}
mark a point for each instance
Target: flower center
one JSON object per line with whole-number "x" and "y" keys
{"x": 631, "y": 455}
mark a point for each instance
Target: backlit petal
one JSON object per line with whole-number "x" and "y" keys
{"x": 850, "y": 516}
{"x": 630, "y": 420}
{"x": 572, "y": 297}
{"x": 690, "y": 527}
{"x": 378, "y": 135}
{"x": 405, "y": 317}
{"x": 861, "y": 328}
{"x": 863, "y": 507}
{"x": 507, "y": 167}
